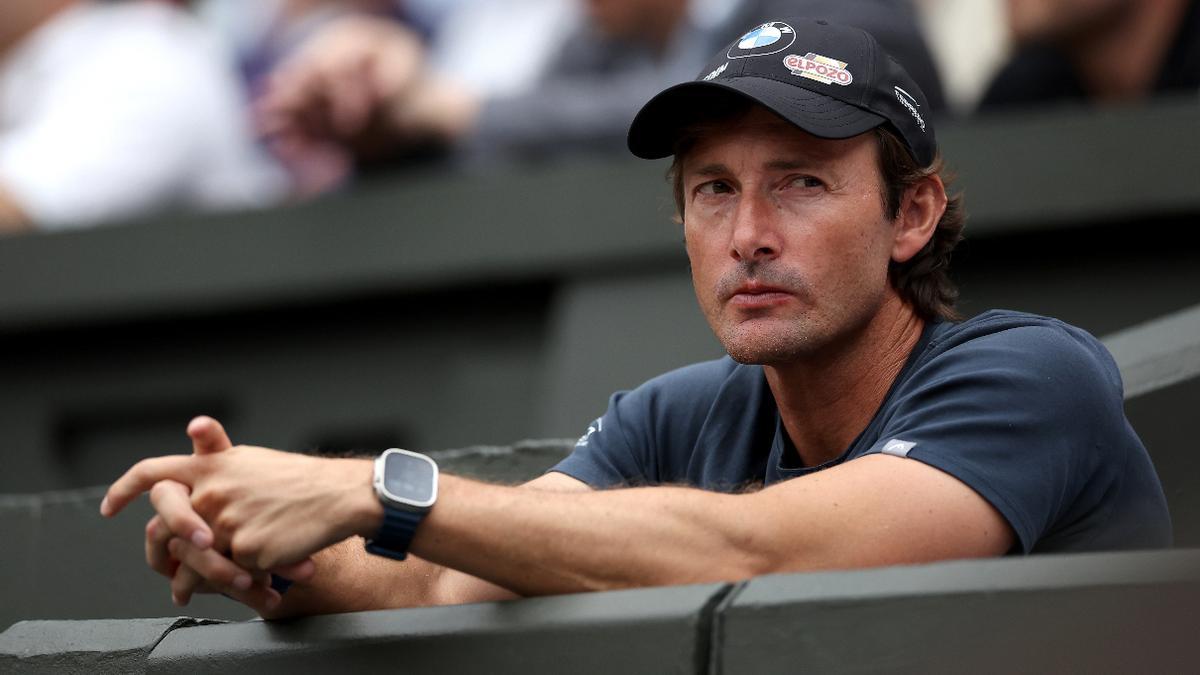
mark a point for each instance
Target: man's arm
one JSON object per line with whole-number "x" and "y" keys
{"x": 875, "y": 510}
{"x": 344, "y": 578}
{"x": 13, "y": 218}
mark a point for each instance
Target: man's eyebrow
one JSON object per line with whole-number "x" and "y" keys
{"x": 715, "y": 169}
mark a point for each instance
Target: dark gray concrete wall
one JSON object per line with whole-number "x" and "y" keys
{"x": 61, "y": 560}
{"x": 1126, "y": 612}
{"x": 1112, "y": 613}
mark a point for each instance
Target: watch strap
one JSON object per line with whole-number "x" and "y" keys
{"x": 399, "y": 526}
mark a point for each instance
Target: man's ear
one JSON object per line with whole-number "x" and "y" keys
{"x": 921, "y": 207}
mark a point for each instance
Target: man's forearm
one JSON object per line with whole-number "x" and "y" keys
{"x": 348, "y": 579}
{"x": 541, "y": 543}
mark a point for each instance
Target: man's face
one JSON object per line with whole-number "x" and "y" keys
{"x": 787, "y": 237}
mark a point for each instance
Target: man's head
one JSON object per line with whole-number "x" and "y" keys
{"x": 808, "y": 181}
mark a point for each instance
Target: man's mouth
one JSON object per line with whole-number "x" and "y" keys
{"x": 753, "y": 295}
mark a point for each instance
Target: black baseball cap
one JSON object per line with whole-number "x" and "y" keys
{"x": 832, "y": 81}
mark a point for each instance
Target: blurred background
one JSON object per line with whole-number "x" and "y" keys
{"x": 351, "y": 225}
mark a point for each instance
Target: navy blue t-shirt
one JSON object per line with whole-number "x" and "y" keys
{"x": 1024, "y": 409}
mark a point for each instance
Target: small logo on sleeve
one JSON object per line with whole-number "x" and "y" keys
{"x": 820, "y": 68}
{"x": 598, "y": 425}
{"x": 897, "y": 447}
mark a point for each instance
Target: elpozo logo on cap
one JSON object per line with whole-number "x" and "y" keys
{"x": 769, "y": 38}
{"x": 820, "y": 68}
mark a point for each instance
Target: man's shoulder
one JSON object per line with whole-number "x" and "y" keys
{"x": 1019, "y": 340}
{"x": 1003, "y": 325}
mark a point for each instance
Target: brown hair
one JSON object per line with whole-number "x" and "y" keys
{"x": 924, "y": 280}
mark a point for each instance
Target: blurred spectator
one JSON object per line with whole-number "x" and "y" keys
{"x": 1098, "y": 50}
{"x": 364, "y": 84}
{"x": 528, "y": 32}
{"x": 112, "y": 110}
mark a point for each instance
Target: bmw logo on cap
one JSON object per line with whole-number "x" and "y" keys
{"x": 769, "y": 38}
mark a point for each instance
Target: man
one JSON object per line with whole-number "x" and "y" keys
{"x": 1101, "y": 51}
{"x": 854, "y": 425}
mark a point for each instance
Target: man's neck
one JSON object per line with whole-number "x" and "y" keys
{"x": 1120, "y": 61}
{"x": 827, "y": 399}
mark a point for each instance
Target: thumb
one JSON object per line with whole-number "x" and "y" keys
{"x": 208, "y": 436}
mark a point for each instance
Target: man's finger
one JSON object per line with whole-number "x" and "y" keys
{"x": 220, "y": 574}
{"x": 173, "y": 503}
{"x": 142, "y": 476}
{"x": 301, "y": 571}
{"x": 157, "y": 556}
{"x": 208, "y": 436}
{"x": 209, "y": 566}
{"x": 185, "y": 582}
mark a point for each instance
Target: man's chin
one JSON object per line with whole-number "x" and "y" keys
{"x": 768, "y": 351}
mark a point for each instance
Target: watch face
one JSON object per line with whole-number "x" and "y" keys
{"x": 410, "y": 478}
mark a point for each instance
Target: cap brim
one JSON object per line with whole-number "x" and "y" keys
{"x": 657, "y": 125}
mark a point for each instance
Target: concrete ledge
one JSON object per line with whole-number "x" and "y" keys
{"x": 658, "y": 630}
{"x": 1159, "y": 353}
{"x": 1112, "y": 612}
{"x": 102, "y": 645}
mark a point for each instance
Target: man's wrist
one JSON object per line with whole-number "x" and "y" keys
{"x": 366, "y": 512}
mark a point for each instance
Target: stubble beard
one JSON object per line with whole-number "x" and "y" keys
{"x": 785, "y": 339}
{"x": 814, "y": 332}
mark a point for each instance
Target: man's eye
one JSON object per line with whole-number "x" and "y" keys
{"x": 714, "y": 187}
{"x": 807, "y": 181}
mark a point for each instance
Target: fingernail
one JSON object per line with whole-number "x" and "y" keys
{"x": 176, "y": 601}
{"x": 104, "y": 506}
{"x": 241, "y": 582}
{"x": 172, "y": 545}
{"x": 201, "y": 539}
{"x": 273, "y": 601}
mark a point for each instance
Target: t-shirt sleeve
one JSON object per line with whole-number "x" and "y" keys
{"x": 647, "y": 435}
{"x": 603, "y": 456}
{"x": 1018, "y": 416}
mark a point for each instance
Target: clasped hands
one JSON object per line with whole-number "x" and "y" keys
{"x": 227, "y": 516}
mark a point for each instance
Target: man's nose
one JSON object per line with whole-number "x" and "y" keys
{"x": 755, "y": 231}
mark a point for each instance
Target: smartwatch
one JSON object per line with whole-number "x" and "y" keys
{"x": 406, "y": 484}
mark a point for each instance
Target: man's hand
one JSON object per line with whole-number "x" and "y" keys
{"x": 272, "y": 509}
{"x": 179, "y": 542}
{"x": 342, "y": 82}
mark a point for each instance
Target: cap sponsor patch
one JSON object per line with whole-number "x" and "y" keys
{"x": 769, "y": 38}
{"x": 716, "y": 72}
{"x": 820, "y": 68}
{"x": 909, "y": 101}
